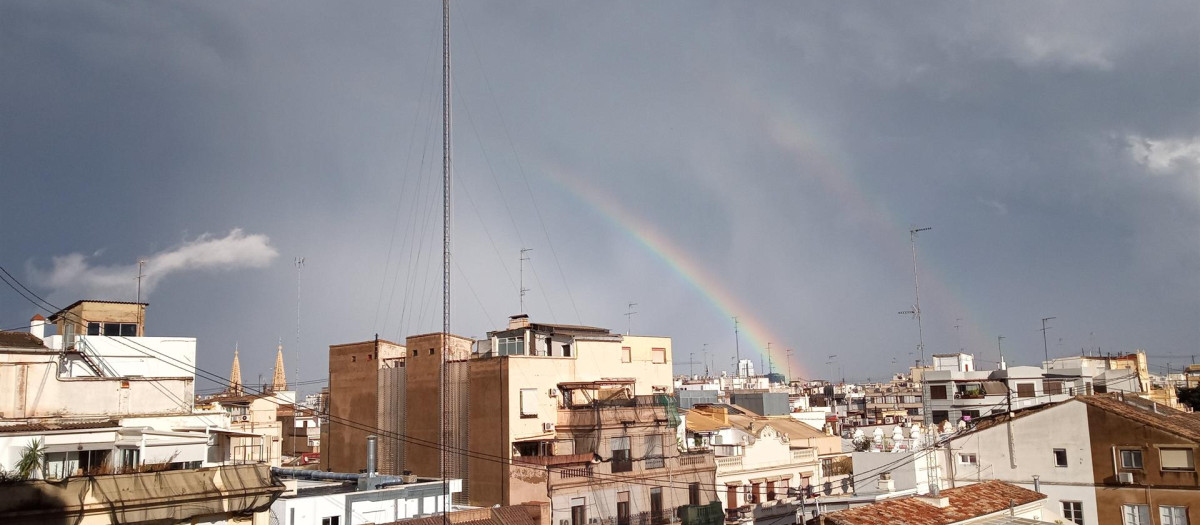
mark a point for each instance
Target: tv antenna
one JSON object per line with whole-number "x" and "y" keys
{"x": 737, "y": 351}
{"x": 629, "y": 318}
{"x": 523, "y": 288}
{"x": 299, "y": 266}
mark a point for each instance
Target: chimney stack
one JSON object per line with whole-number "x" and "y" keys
{"x": 886, "y": 484}
{"x": 518, "y": 321}
{"x": 37, "y": 326}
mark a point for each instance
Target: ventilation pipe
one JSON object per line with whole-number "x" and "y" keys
{"x": 1037, "y": 483}
{"x": 371, "y": 440}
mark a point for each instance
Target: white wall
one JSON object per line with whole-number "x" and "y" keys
{"x": 1035, "y": 436}
{"x": 144, "y": 356}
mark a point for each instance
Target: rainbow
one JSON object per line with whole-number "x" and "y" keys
{"x": 813, "y": 159}
{"x": 755, "y": 332}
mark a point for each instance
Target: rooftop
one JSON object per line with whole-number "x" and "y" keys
{"x": 972, "y": 501}
{"x": 54, "y": 317}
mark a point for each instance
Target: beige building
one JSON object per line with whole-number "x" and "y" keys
{"x": 576, "y": 415}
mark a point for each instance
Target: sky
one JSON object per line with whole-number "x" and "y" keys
{"x": 703, "y": 160}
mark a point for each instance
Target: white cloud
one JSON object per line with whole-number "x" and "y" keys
{"x": 1167, "y": 155}
{"x": 236, "y": 250}
{"x": 1062, "y": 50}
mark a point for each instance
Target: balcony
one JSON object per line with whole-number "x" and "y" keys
{"x": 729, "y": 463}
{"x": 804, "y": 455}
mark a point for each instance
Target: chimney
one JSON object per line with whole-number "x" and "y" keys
{"x": 518, "y": 321}
{"x": 371, "y": 455}
{"x": 1037, "y": 483}
{"x": 37, "y": 326}
{"x": 886, "y": 484}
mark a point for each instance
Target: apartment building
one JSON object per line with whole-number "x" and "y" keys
{"x": 1101, "y": 459}
{"x": 352, "y": 414}
{"x": 765, "y": 465}
{"x": 576, "y": 415}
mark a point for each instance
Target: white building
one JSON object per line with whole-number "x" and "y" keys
{"x": 333, "y": 502}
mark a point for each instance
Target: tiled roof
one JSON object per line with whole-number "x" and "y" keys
{"x": 1165, "y": 418}
{"x": 697, "y": 421}
{"x": 19, "y": 340}
{"x": 968, "y": 502}
{"x": 514, "y": 515}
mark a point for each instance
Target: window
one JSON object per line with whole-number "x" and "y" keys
{"x": 430, "y": 351}
{"x": 659, "y": 355}
{"x": 112, "y": 329}
{"x": 621, "y": 461}
{"x": 970, "y": 414}
{"x": 968, "y": 459}
{"x": 1060, "y": 457}
{"x": 414, "y": 353}
{"x": 130, "y": 458}
{"x": 656, "y": 506}
{"x": 1131, "y": 459}
{"x": 129, "y": 329}
{"x": 578, "y": 511}
{"x": 654, "y": 451}
{"x": 93, "y": 329}
{"x": 1054, "y": 387}
{"x": 1172, "y": 515}
{"x": 694, "y": 493}
{"x": 937, "y": 392}
{"x": 529, "y": 402}
{"x": 939, "y": 416}
{"x": 1025, "y": 390}
{"x": 1177, "y": 459}
{"x": 626, "y": 354}
{"x": 770, "y": 491}
{"x": 731, "y": 499}
{"x": 623, "y": 508}
{"x": 332, "y": 520}
{"x": 510, "y": 346}
{"x": 1073, "y": 511}
{"x": 566, "y": 350}
{"x": 1135, "y": 515}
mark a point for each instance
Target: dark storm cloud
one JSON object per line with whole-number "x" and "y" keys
{"x": 786, "y": 148}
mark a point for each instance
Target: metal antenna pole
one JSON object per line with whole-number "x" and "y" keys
{"x": 704, "y": 354}
{"x": 958, "y": 333}
{"x": 1000, "y": 349}
{"x": 140, "y": 275}
{"x": 1045, "y": 347}
{"x": 737, "y": 350}
{"x": 523, "y": 288}
{"x": 912, "y": 238}
{"x": 629, "y": 318}
{"x": 299, "y": 265}
{"x": 789, "y": 364}
{"x": 445, "y": 256}
{"x": 691, "y": 361}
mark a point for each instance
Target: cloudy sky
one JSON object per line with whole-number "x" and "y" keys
{"x": 703, "y": 160}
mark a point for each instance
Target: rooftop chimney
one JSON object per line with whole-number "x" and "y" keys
{"x": 886, "y": 484}
{"x": 37, "y": 326}
{"x": 518, "y": 321}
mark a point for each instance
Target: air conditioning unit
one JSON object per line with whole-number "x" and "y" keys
{"x": 1125, "y": 478}
{"x": 553, "y": 392}
{"x": 547, "y": 427}
{"x": 243, "y": 418}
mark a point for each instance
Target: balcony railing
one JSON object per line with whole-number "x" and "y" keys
{"x": 729, "y": 463}
{"x": 804, "y": 455}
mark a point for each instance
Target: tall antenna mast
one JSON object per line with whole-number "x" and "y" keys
{"x": 1045, "y": 347}
{"x": 789, "y": 364}
{"x": 299, "y": 266}
{"x": 958, "y": 333}
{"x": 912, "y": 238}
{"x": 770, "y": 361}
{"x": 737, "y": 351}
{"x": 523, "y": 288}
{"x": 704, "y": 357}
{"x": 629, "y": 318}
{"x": 445, "y": 256}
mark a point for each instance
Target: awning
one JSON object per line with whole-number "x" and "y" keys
{"x": 993, "y": 388}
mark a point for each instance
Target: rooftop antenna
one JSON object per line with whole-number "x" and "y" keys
{"x": 523, "y": 288}
{"x": 958, "y": 333}
{"x": 770, "y": 362}
{"x": 141, "y": 274}
{"x": 916, "y": 311}
{"x": 629, "y": 318}
{"x": 789, "y": 364}
{"x": 704, "y": 357}
{"x": 1000, "y": 349}
{"x": 1045, "y": 347}
{"x": 691, "y": 361}
{"x": 299, "y": 266}
{"x": 737, "y": 351}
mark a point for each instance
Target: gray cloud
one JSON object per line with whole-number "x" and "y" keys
{"x": 72, "y": 273}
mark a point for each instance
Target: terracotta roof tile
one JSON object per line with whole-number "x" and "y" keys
{"x": 513, "y": 515}
{"x": 19, "y": 340}
{"x": 1142, "y": 411}
{"x": 46, "y": 427}
{"x": 966, "y": 503}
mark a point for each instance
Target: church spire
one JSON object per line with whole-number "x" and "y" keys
{"x": 279, "y": 383}
{"x": 235, "y": 375}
